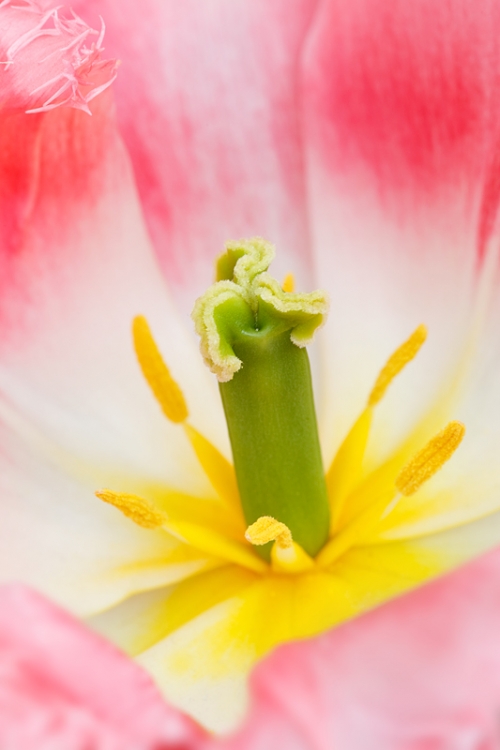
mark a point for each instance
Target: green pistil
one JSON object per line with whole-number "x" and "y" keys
{"x": 253, "y": 336}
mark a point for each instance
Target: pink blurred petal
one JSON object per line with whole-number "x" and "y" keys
{"x": 208, "y": 107}
{"x": 420, "y": 673}
{"x": 63, "y": 687}
{"x": 76, "y": 266}
{"x": 408, "y": 93}
{"x": 49, "y": 58}
{"x": 400, "y": 103}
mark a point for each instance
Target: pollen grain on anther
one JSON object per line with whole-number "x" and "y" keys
{"x": 430, "y": 459}
{"x": 268, "y": 529}
{"x": 139, "y": 510}
{"x": 165, "y": 389}
{"x": 396, "y": 362}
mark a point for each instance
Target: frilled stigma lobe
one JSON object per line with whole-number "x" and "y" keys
{"x": 49, "y": 58}
{"x": 245, "y": 299}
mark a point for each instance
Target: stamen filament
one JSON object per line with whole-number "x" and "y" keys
{"x": 286, "y": 555}
{"x": 173, "y": 404}
{"x": 290, "y": 559}
{"x": 395, "y": 500}
{"x": 345, "y": 470}
{"x": 218, "y": 470}
{"x": 216, "y": 545}
{"x": 421, "y": 468}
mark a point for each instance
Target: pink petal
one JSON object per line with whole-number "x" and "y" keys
{"x": 207, "y": 102}
{"x": 407, "y": 92}
{"x": 420, "y": 673}
{"x": 400, "y": 105}
{"x": 49, "y": 58}
{"x": 62, "y": 687}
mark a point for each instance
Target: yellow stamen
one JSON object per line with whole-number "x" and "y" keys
{"x": 165, "y": 389}
{"x": 399, "y": 359}
{"x": 268, "y": 529}
{"x": 430, "y": 459}
{"x": 288, "y": 283}
{"x": 141, "y": 511}
{"x": 345, "y": 471}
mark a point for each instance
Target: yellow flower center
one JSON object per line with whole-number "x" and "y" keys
{"x": 287, "y": 556}
{"x": 279, "y": 536}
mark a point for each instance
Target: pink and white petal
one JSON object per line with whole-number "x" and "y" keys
{"x": 399, "y": 106}
{"x": 62, "y": 686}
{"x": 76, "y": 266}
{"x": 421, "y": 672}
{"x": 207, "y": 636}
{"x": 207, "y": 104}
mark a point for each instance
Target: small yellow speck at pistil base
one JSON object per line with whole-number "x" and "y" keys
{"x": 430, "y": 459}
{"x": 288, "y": 283}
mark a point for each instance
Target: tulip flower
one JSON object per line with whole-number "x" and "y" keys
{"x": 361, "y": 140}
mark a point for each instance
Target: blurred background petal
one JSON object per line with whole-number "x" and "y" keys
{"x": 63, "y": 687}
{"x": 209, "y": 109}
{"x": 419, "y": 673}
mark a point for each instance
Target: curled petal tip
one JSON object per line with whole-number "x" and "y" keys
{"x": 49, "y": 58}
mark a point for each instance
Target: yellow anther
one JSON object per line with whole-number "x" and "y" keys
{"x": 399, "y": 359}
{"x": 140, "y": 511}
{"x": 165, "y": 389}
{"x": 430, "y": 459}
{"x": 288, "y": 283}
{"x": 268, "y": 529}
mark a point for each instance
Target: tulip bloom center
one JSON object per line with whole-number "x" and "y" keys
{"x": 253, "y": 335}
{"x": 281, "y": 549}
